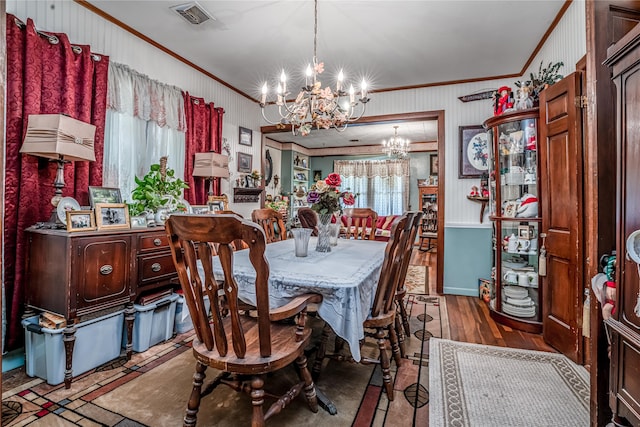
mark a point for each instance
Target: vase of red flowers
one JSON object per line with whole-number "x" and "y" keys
{"x": 327, "y": 199}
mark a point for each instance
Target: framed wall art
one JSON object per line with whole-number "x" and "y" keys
{"x": 112, "y": 216}
{"x": 474, "y": 152}
{"x": 104, "y": 195}
{"x": 245, "y": 137}
{"x": 244, "y": 162}
{"x": 80, "y": 221}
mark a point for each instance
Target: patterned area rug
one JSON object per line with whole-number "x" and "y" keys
{"x": 151, "y": 390}
{"x": 416, "y": 280}
{"x": 480, "y": 385}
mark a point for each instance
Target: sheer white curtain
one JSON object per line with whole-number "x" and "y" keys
{"x": 145, "y": 121}
{"x": 382, "y": 185}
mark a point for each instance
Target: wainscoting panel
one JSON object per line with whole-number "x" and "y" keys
{"x": 468, "y": 259}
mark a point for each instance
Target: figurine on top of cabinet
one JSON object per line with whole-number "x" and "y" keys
{"x": 502, "y": 101}
{"x": 524, "y": 100}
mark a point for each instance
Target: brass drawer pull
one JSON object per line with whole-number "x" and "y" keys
{"x": 106, "y": 269}
{"x": 155, "y": 267}
{"x": 157, "y": 242}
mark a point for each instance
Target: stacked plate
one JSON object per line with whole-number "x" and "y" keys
{"x": 515, "y": 292}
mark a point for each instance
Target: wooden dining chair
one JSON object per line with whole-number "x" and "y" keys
{"x": 244, "y": 347}
{"x": 308, "y": 219}
{"x": 402, "y": 320}
{"x": 381, "y": 318}
{"x": 357, "y": 223}
{"x": 272, "y": 223}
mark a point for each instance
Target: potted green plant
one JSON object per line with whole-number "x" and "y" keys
{"x": 159, "y": 191}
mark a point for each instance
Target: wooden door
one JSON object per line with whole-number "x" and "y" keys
{"x": 561, "y": 184}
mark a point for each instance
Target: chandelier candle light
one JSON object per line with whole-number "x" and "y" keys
{"x": 315, "y": 106}
{"x": 396, "y": 146}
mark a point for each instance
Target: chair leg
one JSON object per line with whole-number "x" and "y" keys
{"x": 322, "y": 351}
{"x": 405, "y": 317}
{"x": 395, "y": 348}
{"x": 400, "y": 334}
{"x": 309, "y": 386}
{"x": 384, "y": 363}
{"x": 257, "y": 400}
{"x": 196, "y": 392}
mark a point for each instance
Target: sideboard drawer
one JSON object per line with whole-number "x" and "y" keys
{"x": 155, "y": 268}
{"x": 153, "y": 242}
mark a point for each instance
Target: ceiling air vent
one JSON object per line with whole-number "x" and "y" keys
{"x": 193, "y": 13}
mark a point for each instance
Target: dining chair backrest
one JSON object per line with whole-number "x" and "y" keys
{"x": 361, "y": 223}
{"x": 386, "y": 289}
{"x": 192, "y": 238}
{"x": 272, "y": 223}
{"x": 308, "y": 219}
{"x": 414, "y": 223}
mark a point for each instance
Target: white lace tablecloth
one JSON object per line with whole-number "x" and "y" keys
{"x": 346, "y": 278}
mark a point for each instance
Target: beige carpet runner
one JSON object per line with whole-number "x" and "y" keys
{"x": 480, "y": 385}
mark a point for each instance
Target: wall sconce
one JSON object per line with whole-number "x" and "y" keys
{"x": 276, "y": 180}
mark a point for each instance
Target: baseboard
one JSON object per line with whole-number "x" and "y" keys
{"x": 453, "y": 290}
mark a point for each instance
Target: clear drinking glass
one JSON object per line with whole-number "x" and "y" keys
{"x": 334, "y": 231}
{"x": 301, "y": 239}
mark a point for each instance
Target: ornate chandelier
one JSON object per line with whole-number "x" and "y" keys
{"x": 396, "y": 146}
{"x": 315, "y": 106}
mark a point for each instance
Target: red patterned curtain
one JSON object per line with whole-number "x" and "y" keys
{"x": 45, "y": 75}
{"x": 204, "y": 133}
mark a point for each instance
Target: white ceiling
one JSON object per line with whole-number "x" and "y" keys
{"x": 392, "y": 44}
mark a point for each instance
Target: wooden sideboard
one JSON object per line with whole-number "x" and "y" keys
{"x": 83, "y": 275}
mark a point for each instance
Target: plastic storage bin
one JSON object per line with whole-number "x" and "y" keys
{"x": 97, "y": 342}
{"x": 184, "y": 323}
{"x": 153, "y": 323}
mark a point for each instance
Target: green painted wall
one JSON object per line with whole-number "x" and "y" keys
{"x": 419, "y": 163}
{"x": 469, "y": 258}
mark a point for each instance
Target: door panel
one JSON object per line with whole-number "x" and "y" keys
{"x": 561, "y": 181}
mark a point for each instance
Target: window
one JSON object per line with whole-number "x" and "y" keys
{"x": 382, "y": 185}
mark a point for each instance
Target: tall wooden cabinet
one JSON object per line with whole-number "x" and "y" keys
{"x": 624, "y": 326}
{"x": 514, "y": 210}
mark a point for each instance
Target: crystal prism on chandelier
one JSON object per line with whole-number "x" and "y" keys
{"x": 315, "y": 106}
{"x": 396, "y": 146}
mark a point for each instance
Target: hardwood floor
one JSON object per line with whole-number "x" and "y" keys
{"x": 469, "y": 318}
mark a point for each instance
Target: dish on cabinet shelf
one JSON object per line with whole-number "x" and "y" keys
{"x": 514, "y": 291}
{"x": 515, "y": 262}
{"x": 518, "y": 311}
{"x": 478, "y": 152}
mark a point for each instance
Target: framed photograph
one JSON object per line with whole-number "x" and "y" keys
{"x": 510, "y": 209}
{"x": 80, "y": 221}
{"x": 139, "y": 222}
{"x": 526, "y": 232}
{"x": 104, "y": 195}
{"x": 433, "y": 164}
{"x": 317, "y": 176}
{"x": 112, "y": 216}
{"x": 216, "y": 206}
{"x": 200, "y": 209}
{"x": 244, "y": 162}
{"x": 474, "y": 152}
{"x": 245, "y": 136}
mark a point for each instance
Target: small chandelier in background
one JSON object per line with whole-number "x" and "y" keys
{"x": 396, "y": 146}
{"x": 315, "y": 106}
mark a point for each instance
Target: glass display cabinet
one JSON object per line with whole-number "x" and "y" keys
{"x": 514, "y": 209}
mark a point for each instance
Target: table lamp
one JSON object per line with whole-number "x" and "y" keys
{"x": 61, "y": 139}
{"x": 211, "y": 165}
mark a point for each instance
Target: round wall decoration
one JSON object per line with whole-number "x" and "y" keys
{"x": 268, "y": 168}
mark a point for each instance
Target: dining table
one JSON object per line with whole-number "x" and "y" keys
{"x": 346, "y": 278}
